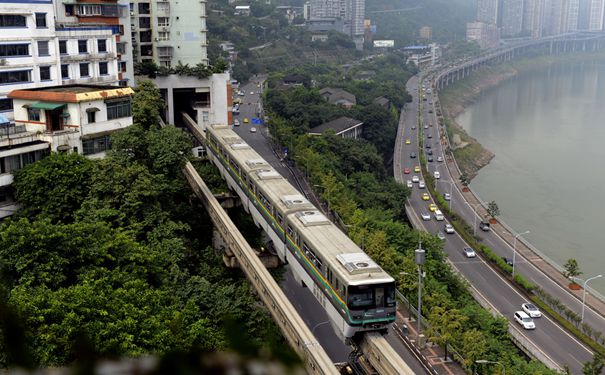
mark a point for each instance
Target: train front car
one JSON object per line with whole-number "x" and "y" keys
{"x": 356, "y": 293}
{"x": 370, "y": 295}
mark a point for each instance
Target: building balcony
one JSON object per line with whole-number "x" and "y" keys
{"x": 88, "y": 57}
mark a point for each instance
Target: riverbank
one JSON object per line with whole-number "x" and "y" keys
{"x": 470, "y": 155}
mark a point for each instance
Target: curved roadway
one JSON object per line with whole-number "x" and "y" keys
{"x": 554, "y": 343}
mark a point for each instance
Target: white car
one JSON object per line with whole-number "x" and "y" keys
{"x": 447, "y": 196}
{"x": 437, "y": 175}
{"x": 415, "y": 179}
{"x": 425, "y": 216}
{"x": 409, "y": 183}
{"x": 469, "y": 252}
{"x": 440, "y": 235}
{"x": 421, "y": 184}
{"x": 252, "y": 130}
{"x": 449, "y": 228}
{"x": 531, "y": 310}
{"x": 236, "y": 122}
{"x": 440, "y": 159}
{"x": 524, "y": 320}
{"x": 251, "y": 92}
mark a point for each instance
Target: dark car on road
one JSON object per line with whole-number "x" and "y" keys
{"x": 508, "y": 261}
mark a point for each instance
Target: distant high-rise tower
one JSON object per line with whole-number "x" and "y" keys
{"x": 597, "y": 10}
{"x": 349, "y": 13}
{"x": 488, "y": 11}
{"x": 532, "y": 17}
{"x": 511, "y": 20}
{"x": 573, "y": 14}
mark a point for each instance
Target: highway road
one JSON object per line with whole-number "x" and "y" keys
{"x": 555, "y": 343}
{"x": 304, "y": 301}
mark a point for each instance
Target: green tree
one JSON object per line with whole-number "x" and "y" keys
{"x": 474, "y": 346}
{"x": 147, "y": 103}
{"x": 593, "y": 367}
{"x": 492, "y": 209}
{"x": 572, "y": 269}
{"x": 54, "y": 186}
{"x": 446, "y": 325}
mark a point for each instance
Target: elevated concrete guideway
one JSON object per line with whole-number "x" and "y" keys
{"x": 375, "y": 347}
{"x": 576, "y": 42}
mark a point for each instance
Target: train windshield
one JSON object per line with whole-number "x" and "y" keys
{"x": 363, "y": 297}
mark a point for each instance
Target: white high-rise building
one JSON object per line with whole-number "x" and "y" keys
{"x": 488, "y": 11}
{"x": 511, "y": 20}
{"x": 596, "y": 14}
{"x": 167, "y": 32}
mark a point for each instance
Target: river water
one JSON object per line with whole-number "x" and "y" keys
{"x": 547, "y": 130}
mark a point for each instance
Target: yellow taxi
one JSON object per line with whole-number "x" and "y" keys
{"x": 425, "y": 196}
{"x": 408, "y": 142}
{"x": 417, "y": 169}
{"x": 246, "y": 120}
{"x": 432, "y": 207}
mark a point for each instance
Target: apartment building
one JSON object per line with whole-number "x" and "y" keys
{"x": 511, "y": 21}
{"x": 94, "y": 41}
{"x": 66, "y": 118}
{"x": 346, "y": 16}
{"x": 596, "y": 15}
{"x": 29, "y": 55}
{"x": 168, "y": 32}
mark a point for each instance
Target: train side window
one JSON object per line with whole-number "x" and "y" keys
{"x": 251, "y": 185}
{"x": 279, "y": 217}
{"x": 289, "y": 231}
{"x": 329, "y": 276}
{"x": 312, "y": 257}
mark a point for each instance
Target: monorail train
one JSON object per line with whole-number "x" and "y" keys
{"x": 356, "y": 293}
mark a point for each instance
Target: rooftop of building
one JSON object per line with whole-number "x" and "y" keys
{"x": 339, "y": 125}
{"x": 71, "y": 93}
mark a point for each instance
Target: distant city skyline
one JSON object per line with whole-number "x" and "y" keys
{"x": 537, "y": 18}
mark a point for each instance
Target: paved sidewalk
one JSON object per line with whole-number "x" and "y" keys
{"x": 431, "y": 354}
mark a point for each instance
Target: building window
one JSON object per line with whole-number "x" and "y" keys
{"x": 164, "y": 35}
{"x": 90, "y": 10}
{"x": 122, "y": 66}
{"x": 121, "y": 48}
{"x": 163, "y": 21}
{"x": 145, "y": 36}
{"x": 69, "y": 10}
{"x": 118, "y": 108}
{"x": 45, "y": 73}
{"x": 82, "y": 46}
{"x": 103, "y": 68}
{"x": 12, "y": 20}
{"x": 9, "y": 50}
{"x": 96, "y": 145}
{"x": 144, "y": 23}
{"x": 102, "y": 45}
{"x": 144, "y": 8}
{"x": 40, "y": 20}
{"x": 33, "y": 114}
{"x": 43, "y": 48}
{"x": 6, "y": 105}
{"x": 92, "y": 115}
{"x": 14, "y": 77}
{"x": 163, "y": 6}
{"x": 13, "y": 163}
{"x": 65, "y": 71}
{"x": 63, "y": 47}
{"x": 84, "y": 70}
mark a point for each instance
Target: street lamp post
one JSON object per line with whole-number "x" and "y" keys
{"x": 420, "y": 258}
{"x": 475, "y": 214}
{"x": 484, "y": 361}
{"x": 584, "y": 293}
{"x": 515, "y": 249}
